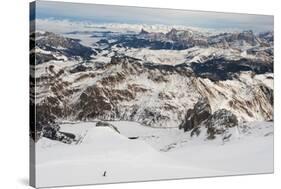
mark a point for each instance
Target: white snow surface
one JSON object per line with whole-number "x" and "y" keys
{"x": 156, "y": 153}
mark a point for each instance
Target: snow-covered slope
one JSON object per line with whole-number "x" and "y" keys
{"x": 156, "y": 154}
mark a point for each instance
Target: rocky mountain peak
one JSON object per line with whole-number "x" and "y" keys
{"x": 177, "y": 35}
{"x": 143, "y": 32}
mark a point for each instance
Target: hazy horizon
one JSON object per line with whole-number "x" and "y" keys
{"x": 97, "y": 13}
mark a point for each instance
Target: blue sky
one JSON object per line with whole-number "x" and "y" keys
{"x": 137, "y": 15}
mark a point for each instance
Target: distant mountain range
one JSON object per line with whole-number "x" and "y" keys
{"x": 153, "y": 78}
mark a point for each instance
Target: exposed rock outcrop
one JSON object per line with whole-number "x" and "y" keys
{"x": 52, "y": 132}
{"x": 201, "y": 116}
{"x": 106, "y": 124}
{"x": 219, "y": 122}
{"x": 194, "y": 117}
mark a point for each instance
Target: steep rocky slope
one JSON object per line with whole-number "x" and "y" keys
{"x": 154, "y": 95}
